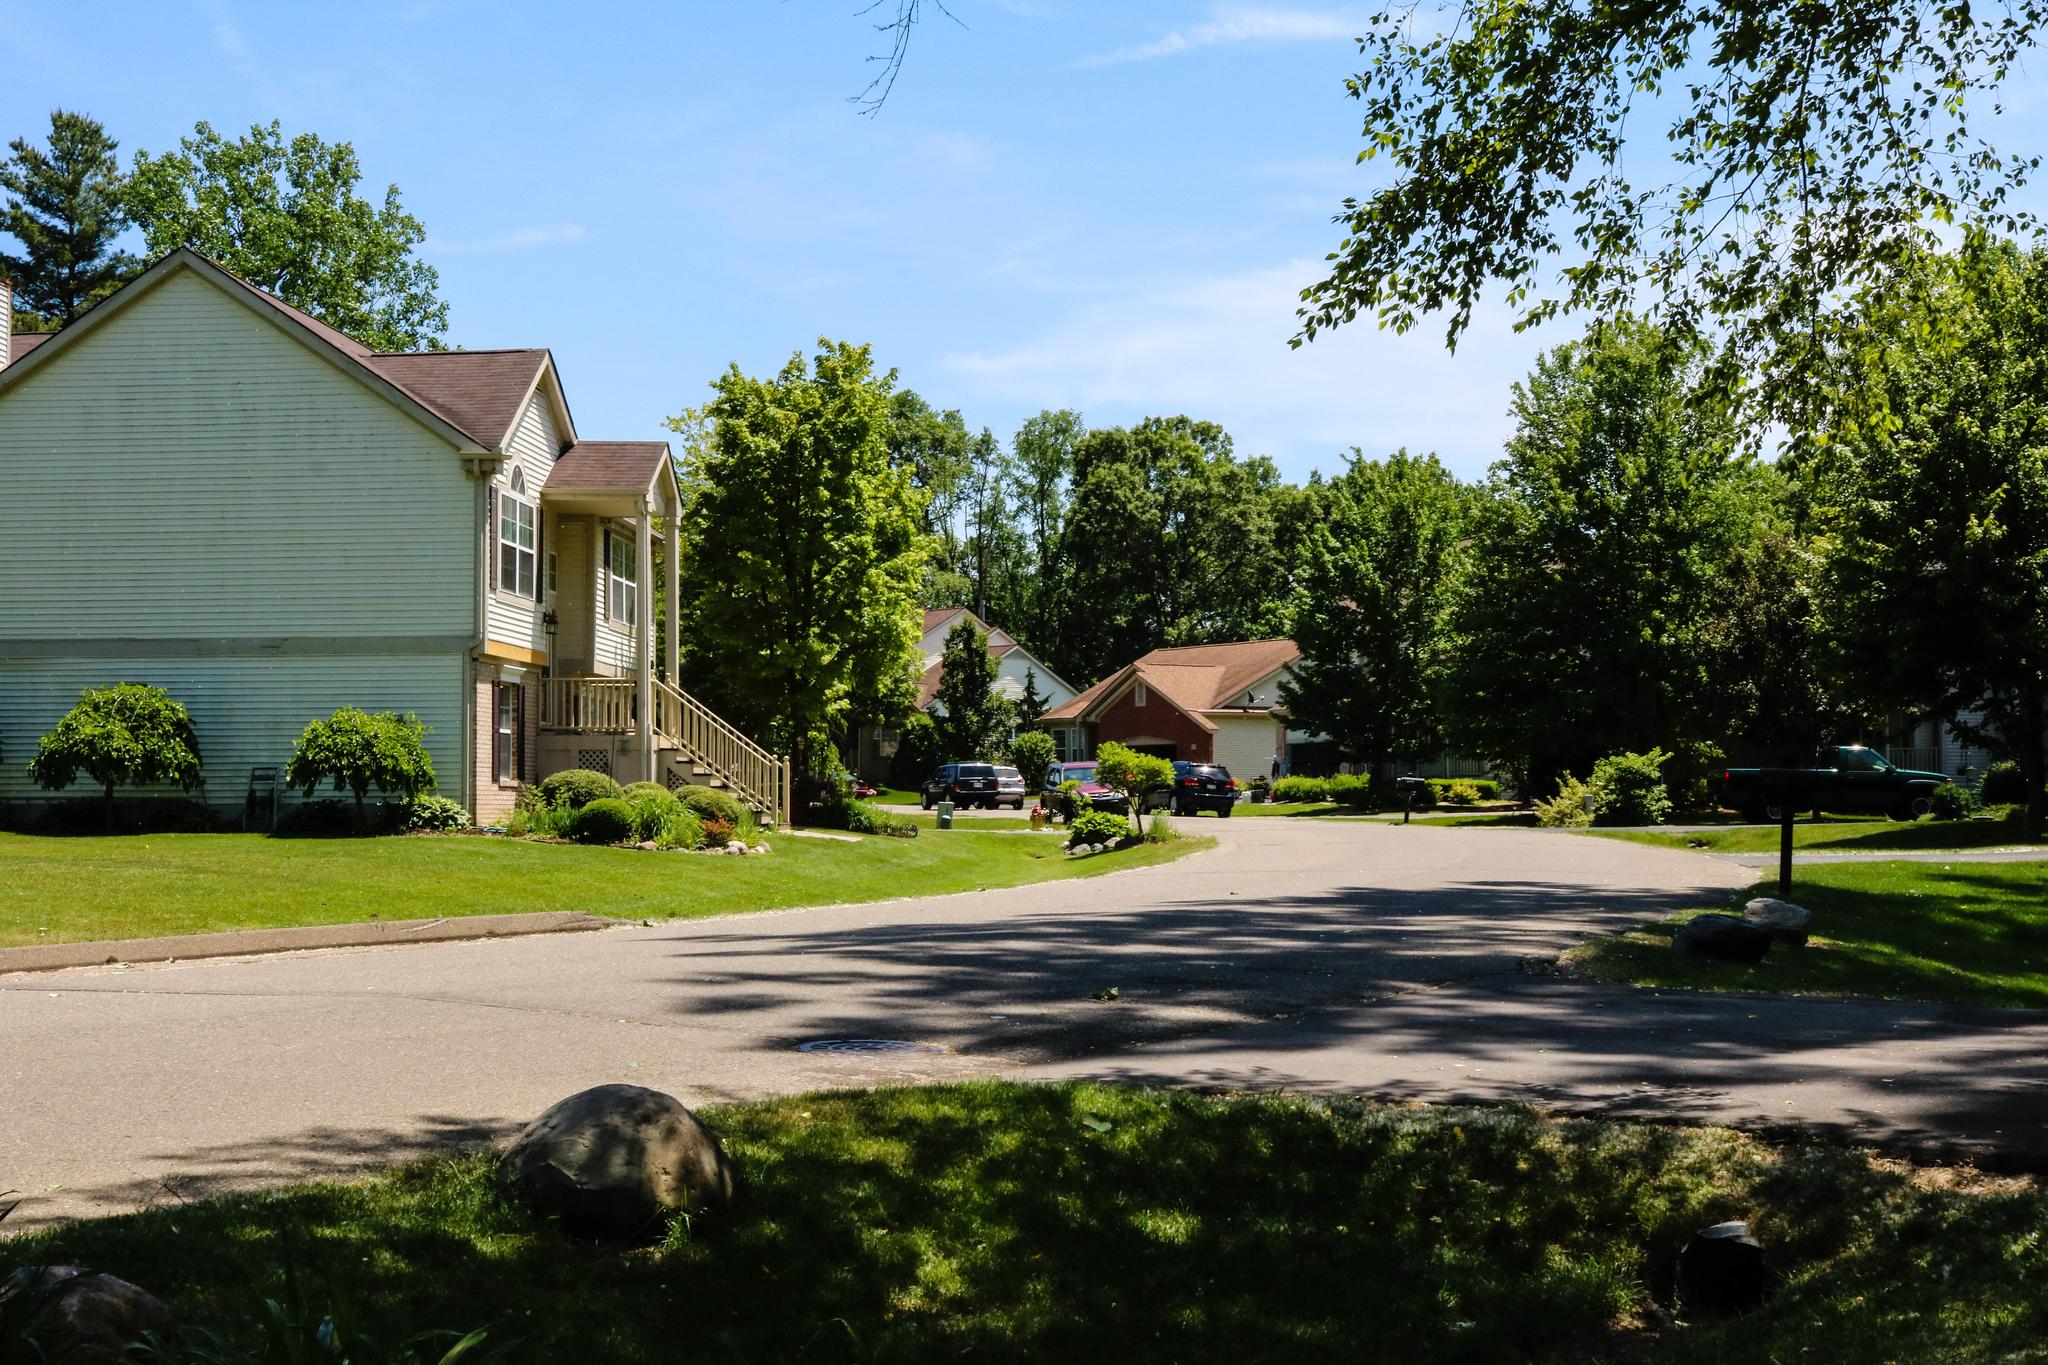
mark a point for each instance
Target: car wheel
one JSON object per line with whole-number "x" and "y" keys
{"x": 1773, "y": 814}
{"x": 1223, "y": 812}
{"x": 924, "y": 800}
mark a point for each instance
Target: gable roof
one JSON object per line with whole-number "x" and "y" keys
{"x": 21, "y": 343}
{"x": 942, "y": 616}
{"x": 608, "y": 467}
{"x": 1196, "y": 679}
{"x": 474, "y": 398}
{"x": 482, "y": 392}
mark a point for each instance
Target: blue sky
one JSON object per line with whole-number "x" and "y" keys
{"x": 1100, "y": 204}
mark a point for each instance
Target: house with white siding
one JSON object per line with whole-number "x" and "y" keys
{"x": 204, "y": 488}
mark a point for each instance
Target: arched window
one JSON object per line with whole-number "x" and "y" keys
{"x": 518, "y": 537}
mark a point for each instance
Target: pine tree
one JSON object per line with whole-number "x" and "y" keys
{"x": 66, "y": 208}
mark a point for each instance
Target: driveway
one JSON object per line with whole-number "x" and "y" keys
{"x": 1366, "y": 958}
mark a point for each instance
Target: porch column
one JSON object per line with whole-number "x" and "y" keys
{"x": 643, "y": 551}
{"x": 675, "y": 583}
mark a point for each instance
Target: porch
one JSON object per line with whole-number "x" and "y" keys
{"x": 609, "y": 689}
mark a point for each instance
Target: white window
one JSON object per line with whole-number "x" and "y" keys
{"x": 1138, "y": 694}
{"x": 518, "y": 532}
{"x": 622, "y": 581}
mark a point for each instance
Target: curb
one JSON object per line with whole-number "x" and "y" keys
{"x": 245, "y": 942}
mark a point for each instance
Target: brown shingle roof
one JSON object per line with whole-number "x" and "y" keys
{"x": 478, "y": 392}
{"x": 1195, "y": 678}
{"x": 940, "y": 616}
{"x": 607, "y": 467}
{"x": 21, "y": 343}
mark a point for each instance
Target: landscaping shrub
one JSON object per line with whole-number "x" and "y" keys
{"x": 1294, "y": 789}
{"x": 1952, "y": 802}
{"x": 130, "y": 734}
{"x": 607, "y": 820}
{"x": 711, "y": 803}
{"x": 718, "y": 831}
{"x": 574, "y": 787}
{"x": 652, "y": 809}
{"x": 1348, "y": 789}
{"x": 435, "y": 813}
{"x": 1481, "y": 788}
{"x": 1160, "y": 830}
{"x": 331, "y": 819}
{"x": 917, "y": 752}
{"x": 858, "y": 817}
{"x": 2003, "y": 785}
{"x": 1098, "y": 827}
{"x": 357, "y": 750}
{"x": 1567, "y": 809}
{"x": 1032, "y": 753}
{"x": 1070, "y": 801}
{"x": 1629, "y": 789}
{"x": 540, "y": 820}
{"x": 136, "y": 815}
{"x": 1460, "y": 794}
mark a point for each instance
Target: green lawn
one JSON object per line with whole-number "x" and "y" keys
{"x": 1842, "y": 835}
{"x": 969, "y": 823}
{"x": 895, "y": 796}
{"x": 68, "y": 889}
{"x": 1971, "y": 933}
{"x": 1330, "y": 810}
{"x": 1085, "y": 1223}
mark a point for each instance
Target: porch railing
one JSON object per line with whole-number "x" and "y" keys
{"x": 1924, "y": 758}
{"x": 594, "y": 705}
{"x": 759, "y": 778}
{"x": 598, "y": 705}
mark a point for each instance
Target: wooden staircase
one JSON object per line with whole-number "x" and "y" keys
{"x": 691, "y": 739}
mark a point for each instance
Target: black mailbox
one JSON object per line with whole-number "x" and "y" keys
{"x": 1410, "y": 787}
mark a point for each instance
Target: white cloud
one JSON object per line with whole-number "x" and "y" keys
{"x": 1240, "y": 24}
{"x": 1216, "y": 347}
{"x": 518, "y": 239}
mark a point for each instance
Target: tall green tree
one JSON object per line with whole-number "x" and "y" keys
{"x": 285, "y": 216}
{"x": 1940, "y": 507}
{"x": 931, "y": 447}
{"x": 1170, "y": 540}
{"x": 971, "y": 718}
{"x": 994, "y": 552}
{"x": 1042, "y": 455}
{"x": 65, "y": 208}
{"x": 1734, "y": 166}
{"x": 805, "y": 553}
{"x": 1372, "y": 608}
{"x": 1581, "y": 628}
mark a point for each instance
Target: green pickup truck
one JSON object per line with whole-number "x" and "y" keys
{"x": 1846, "y": 780}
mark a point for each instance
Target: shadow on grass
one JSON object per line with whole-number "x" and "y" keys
{"x": 1093, "y": 1223}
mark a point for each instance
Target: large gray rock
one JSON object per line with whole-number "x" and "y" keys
{"x": 83, "y": 1317}
{"x": 614, "y": 1160}
{"x": 1786, "y": 921}
{"x": 1721, "y": 1270}
{"x": 1723, "y": 937}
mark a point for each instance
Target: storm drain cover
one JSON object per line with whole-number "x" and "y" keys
{"x": 866, "y": 1045}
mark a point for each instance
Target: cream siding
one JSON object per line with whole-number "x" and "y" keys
{"x": 247, "y": 712}
{"x": 187, "y": 470}
{"x": 1010, "y": 671}
{"x": 533, "y": 449}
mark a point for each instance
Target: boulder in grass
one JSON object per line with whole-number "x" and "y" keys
{"x": 1721, "y": 1271}
{"x": 615, "y": 1160}
{"x": 81, "y": 1317}
{"x": 1786, "y": 921}
{"x": 1722, "y": 937}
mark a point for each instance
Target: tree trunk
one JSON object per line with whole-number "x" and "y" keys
{"x": 2034, "y": 764}
{"x": 107, "y": 810}
{"x": 359, "y": 809}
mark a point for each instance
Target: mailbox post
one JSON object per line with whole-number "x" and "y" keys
{"x": 1789, "y": 788}
{"x": 1411, "y": 786}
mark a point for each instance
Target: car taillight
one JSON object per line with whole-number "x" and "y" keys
{"x": 1187, "y": 782}
{"x": 1230, "y": 784}
{"x": 1727, "y": 776}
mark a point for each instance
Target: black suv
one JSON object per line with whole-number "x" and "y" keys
{"x": 964, "y": 784}
{"x": 1196, "y": 787}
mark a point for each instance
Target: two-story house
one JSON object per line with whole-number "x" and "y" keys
{"x": 204, "y": 488}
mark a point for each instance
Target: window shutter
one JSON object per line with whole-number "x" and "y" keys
{"x": 604, "y": 575}
{"x": 491, "y": 534}
{"x": 498, "y": 754}
{"x": 519, "y": 733}
{"x": 540, "y": 556}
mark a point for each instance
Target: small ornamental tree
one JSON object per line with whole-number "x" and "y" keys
{"x": 130, "y": 734}
{"x": 1136, "y": 775}
{"x": 357, "y": 750}
{"x": 1033, "y": 753}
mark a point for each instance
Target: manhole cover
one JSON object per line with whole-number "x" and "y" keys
{"x": 865, "y": 1045}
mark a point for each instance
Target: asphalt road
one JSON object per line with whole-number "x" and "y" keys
{"x": 1356, "y": 957}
